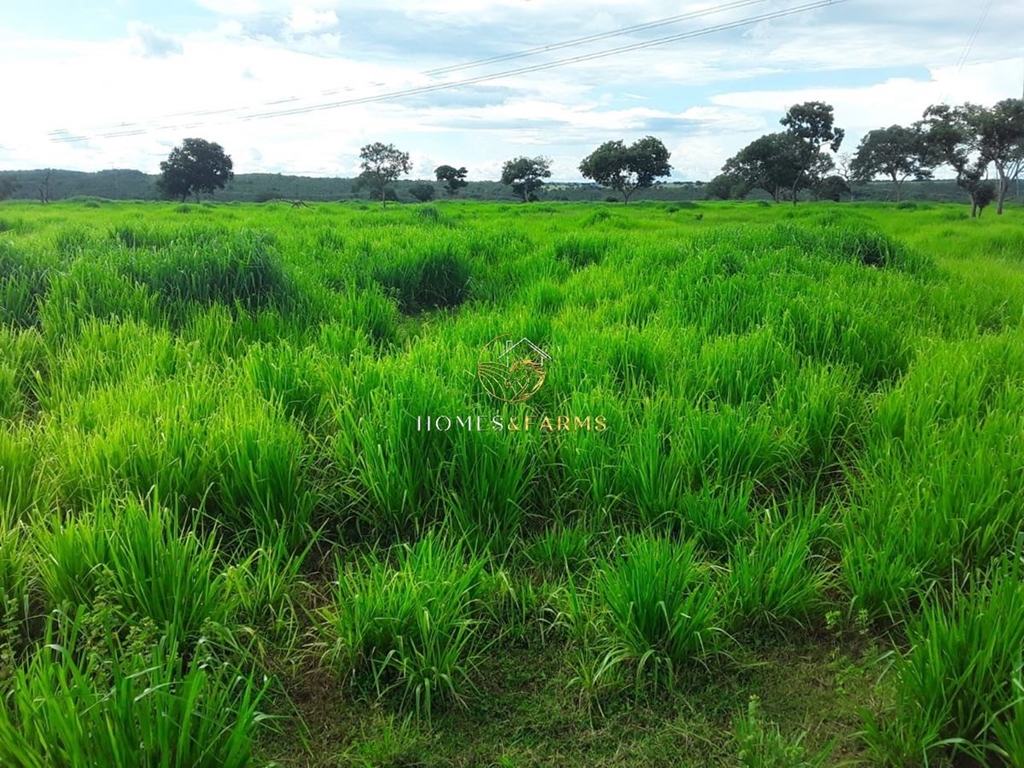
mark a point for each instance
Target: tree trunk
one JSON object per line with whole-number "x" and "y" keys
{"x": 899, "y": 189}
{"x": 383, "y": 197}
{"x": 1004, "y": 185}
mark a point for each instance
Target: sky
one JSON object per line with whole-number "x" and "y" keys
{"x": 283, "y": 85}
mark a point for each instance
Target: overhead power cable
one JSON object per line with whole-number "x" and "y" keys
{"x": 548, "y": 65}
{"x": 974, "y": 36}
{"x": 131, "y": 129}
{"x": 596, "y": 37}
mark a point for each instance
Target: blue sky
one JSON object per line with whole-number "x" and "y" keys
{"x": 157, "y": 72}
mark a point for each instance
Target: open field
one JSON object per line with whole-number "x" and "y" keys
{"x": 227, "y": 538}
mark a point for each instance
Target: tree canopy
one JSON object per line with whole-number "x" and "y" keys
{"x": 453, "y": 178}
{"x": 786, "y": 162}
{"x": 951, "y": 138}
{"x": 627, "y": 169}
{"x": 813, "y": 125}
{"x": 382, "y": 164}
{"x": 726, "y": 186}
{"x": 195, "y": 166}
{"x": 1000, "y": 132}
{"x": 897, "y": 152}
{"x": 774, "y": 163}
{"x": 526, "y": 175}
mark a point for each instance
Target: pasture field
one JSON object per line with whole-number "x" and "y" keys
{"x": 768, "y": 511}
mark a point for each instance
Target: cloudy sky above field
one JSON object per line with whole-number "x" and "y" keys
{"x": 294, "y": 86}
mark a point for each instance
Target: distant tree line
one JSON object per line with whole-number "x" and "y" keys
{"x": 800, "y": 161}
{"x": 969, "y": 139}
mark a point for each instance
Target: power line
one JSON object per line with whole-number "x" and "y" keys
{"x": 64, "y": 137}
{"x": 974, "y": 36}
{"x": 551, "y": 64}
{"x": 966, "y": 52}
{"x": 594, "y": 38}
{"x": 129, "y": 129}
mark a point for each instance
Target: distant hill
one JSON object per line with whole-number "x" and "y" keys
{"x": 258, "y": 187}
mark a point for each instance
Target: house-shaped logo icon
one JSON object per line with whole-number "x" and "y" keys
{"x": 526, "y": 349}
{"x": 512, "y": 371}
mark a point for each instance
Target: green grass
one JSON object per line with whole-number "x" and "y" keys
{"x": 218, "y": 498}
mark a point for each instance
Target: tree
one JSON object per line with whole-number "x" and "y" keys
{"x": 627, "y": 169}
{"x": 453, "y": 178}
{"x": 951, "y": 139}
{"x": 383, "y": 164}
{"x": 526, "y": 175}
{"x": 774, "y": 163}
{"x": 813, "y": 124}
{"x": 896, "y": 152}
{"x": 423, "y": 192}
{"x": 726, "y": 186}
{"x": 8, "y": 187}
{"x": 1000, "y": 132}
{"x": 196, "y": 166}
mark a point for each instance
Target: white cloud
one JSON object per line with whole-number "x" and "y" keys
{"x": 151, "y": 42}
{"x": 305, "y": 19}
{"x": 706, "y": 97}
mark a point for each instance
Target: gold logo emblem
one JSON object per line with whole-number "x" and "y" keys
{"x": 512, "y": 371}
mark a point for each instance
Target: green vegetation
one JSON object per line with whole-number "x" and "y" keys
{"x": 228, "y": 539}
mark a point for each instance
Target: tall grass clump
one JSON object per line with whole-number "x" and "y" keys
{"x": 20, "y": 472}
{"x": 240, "y": 270}
{"x": 136, "y": 236}
{"x": 580, "y": 251}
{"x": 411, "y": 625}
{"x": 139, "y": 562}
{"x": 23, "y": 285}
{"x": 775, "y": 581}
{"x": 490, "y": 482}
{"x": 392, "y": 469}
{"x": 873, "y": 249}
{"x": 68, "y": 707}
{"x": 659, "y": 606}
{"x": 15, "y": 576}
{"x": 22, "y": 359}
{"x": 956, "y": 681}
{"x": 434, "y": 275}
{"x": 89, "y": 290}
